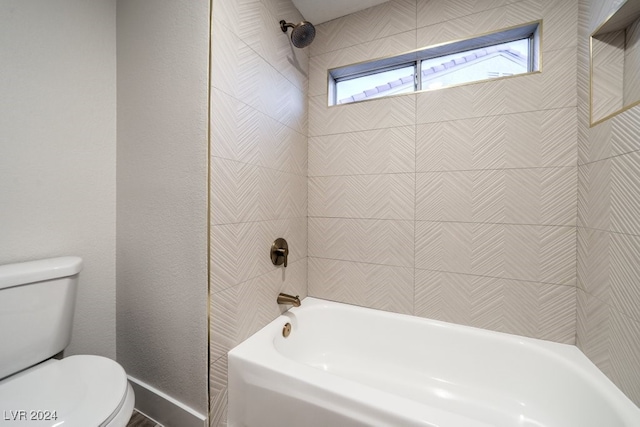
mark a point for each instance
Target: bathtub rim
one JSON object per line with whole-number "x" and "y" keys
{"x": 568, "y": 355}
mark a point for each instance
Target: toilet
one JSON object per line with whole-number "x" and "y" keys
{"x": 37, "y": 300}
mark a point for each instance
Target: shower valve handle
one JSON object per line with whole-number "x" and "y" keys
{"x": 279, "y": 252}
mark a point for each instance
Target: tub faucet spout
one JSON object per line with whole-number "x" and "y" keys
{"x": 289, "y": 299}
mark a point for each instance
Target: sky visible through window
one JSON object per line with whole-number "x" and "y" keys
{"x": 505, "y": 59}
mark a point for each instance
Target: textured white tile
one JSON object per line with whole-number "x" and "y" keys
{"x": 524, "y": 308}
{"x": 522, "y": 252}
{"x": 228, "y": 11}
{"x": 389, "y": 150}
{"x": 557, "y": 254}
{"x": 490, "y": 196}
{"x": 519, "y": 316}
{"x": 625, "y": 354}
{"x": 256, "y": 24}
{"x": 242, "y": 192}
{"x": 514, "y": 196}
{"x": 456, "y": 20}
{"x": 446, "y": 104}
{"x": 581, "y": 255}
{"x": 463, "y": 27}
{"x": 611, "y": 340}
{"x": 546, "y": 311}
{"x": 389, "y": 196}
{"x": 240, "y": 252}
{"x": 283, "y": 9}
{"x": 444, "y": 196}
{"x": 607, "y": 74}
{"x": 607, "y": 330}
{"x": 218, "y": 392}
{"x": 444, "y": 246}
{"x": 559, "y": 137}
{"x": 624, "y": 269}
{"x": 242, "y": 133}
{"x": 558, "y": 78}
{"x": 384, "y": 20}
{"x": 528, "y": 137}
{"x": 554, "y": 87}
{"x": 594, "y": 195}
{"x": 434, "y": 11}
{"x": 558, "y": 195}
{"x": 593, "y": 319}
{"x": 594, "y": 263}
{"x": 382, "y": 113}
{"x": 240, "y": 311}
{"x": 528, "y": 191}
{"x": 488, "y": 98}
{"x": 581, "y": 320}
{"x": 599, "y": 142}
{"x": 387, "y": 242}
{"x": 259, "y": 28}
{"x": 625, "y": 193}
{"x": 375, "y": 286}
{"x": 560, "y": 24}
{"x": 233, "y": 71}
{"x": 584, "y": 171}
{"x": 258, "y": 171}
{"x": 583, "y": 118}
{"x": 531, "y": 139}
{"x": 453, "y": 298}
{"x": 442, "y": 22}
{"x": 443, "y": 146}
{"x": 624, "y": 131}
{"x": 525, "y": 93}
{"x": 231, "y": 59}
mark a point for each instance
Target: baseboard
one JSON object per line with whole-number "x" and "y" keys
{"x": 164, "y": 409}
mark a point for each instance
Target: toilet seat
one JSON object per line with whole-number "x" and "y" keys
{"x": 82, "y": 391}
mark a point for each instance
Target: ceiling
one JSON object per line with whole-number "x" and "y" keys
{"x": 319, "y": 11}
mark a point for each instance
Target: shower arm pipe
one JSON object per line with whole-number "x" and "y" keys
{"x": 284, "y": 25}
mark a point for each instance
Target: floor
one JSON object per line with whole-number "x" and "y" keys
{"x": 139, "y": 420}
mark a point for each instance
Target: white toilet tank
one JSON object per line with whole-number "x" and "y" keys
{"x": 37, "y": 300}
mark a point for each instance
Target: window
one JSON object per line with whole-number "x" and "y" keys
{"x": 507, "y": 53}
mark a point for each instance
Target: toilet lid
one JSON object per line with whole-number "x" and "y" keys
{"x": 81, "y": 390}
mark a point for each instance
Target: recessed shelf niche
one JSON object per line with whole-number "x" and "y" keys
{"x": 615, "y": 63}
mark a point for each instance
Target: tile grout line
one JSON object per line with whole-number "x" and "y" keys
{"x": 416, "y": 123}
{"x": 417, "y": 269}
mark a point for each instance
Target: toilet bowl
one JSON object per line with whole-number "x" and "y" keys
{"x": 36, "y": 310}
{"x": 80, "y": 391}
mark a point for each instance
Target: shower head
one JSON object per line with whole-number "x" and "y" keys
{"x": 302, "y": 34}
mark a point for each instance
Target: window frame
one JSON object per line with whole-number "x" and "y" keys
{"x": 531, "y": 31}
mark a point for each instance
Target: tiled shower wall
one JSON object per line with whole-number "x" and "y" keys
{"x": 457, "y": 204}
{"x": 258, "y": 182}
{"x": 608, "y": 326}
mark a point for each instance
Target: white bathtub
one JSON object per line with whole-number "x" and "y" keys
{"x": 345, "y": 366}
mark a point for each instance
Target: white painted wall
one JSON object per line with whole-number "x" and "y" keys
{"x": 57, "y": 149}
{"x": 58, "y": 173}
{"x": 162, "y": 286}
